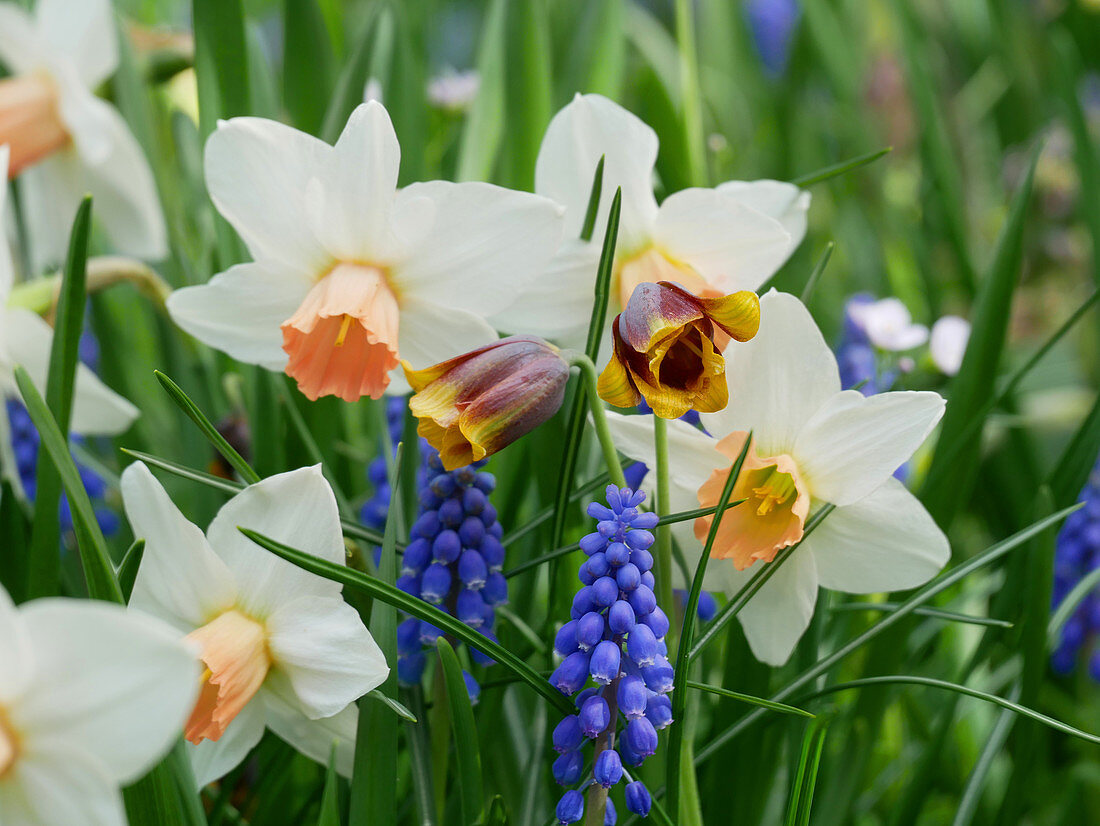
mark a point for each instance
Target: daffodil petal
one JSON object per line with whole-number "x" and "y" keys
{"x": 314, "y": 738}
{"x": 779, "y": 379}
{"x": 488, "y": 245}
{"x": 780, "y": 612}
{"x": 180, "y": 579}
{"x": 84, "y": 32}
{"x": 781, "y": 200}
{"x": 15, "y": 650}
{"x": 56, "y": 783}
{"x": 240, "y": 311}
{"x": 886, "y": 541}
{"x": 114, "y": 683}
{"x": 591, "y": 127}
{"x": 329, "y": 657}
{"x": 693, "y": 454}
{"x": 257, "y": 173}
{"x": 296, "y": 508}
{"x": 729, "y": 244}
{"x": 853, "y": 443}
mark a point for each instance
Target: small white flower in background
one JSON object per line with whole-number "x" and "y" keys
{"x": 711, "y": 241}
{"x": 888, "y": 324}
{"x": 352, "y": 275}
{"x": 453, "y": 90}
{"x": 812, "y": 444}
{"x": 950, "y": 335}
{"x": 92, "y": 696}
{"x": 26, "y": 339}
{"x": 66, "y": 141}
{"x": 282, "y": 649}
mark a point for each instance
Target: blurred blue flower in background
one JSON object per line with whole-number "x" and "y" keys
{"x": 773, "y": 23}
{"x": 25, "y": 441}
{"x": 1078, "y": 554}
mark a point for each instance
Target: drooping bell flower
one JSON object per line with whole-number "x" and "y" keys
{"x": 813, "y": 443}
{"x": 279, "y": 646}
{"x": 473, "y": 405}
{"x": 711, "y": 241}
{"x": 351, "y": 274}
{"x": 666, "y": 350}
{"x": 64, "y": 140}
{"x": 91, "y": 697}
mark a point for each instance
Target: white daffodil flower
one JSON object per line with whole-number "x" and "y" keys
{"x": 282, "y": 649}
{"x": 66, "y": 141}
{"x": 950, "y": 335}
{"x": 26, "y": 339}
{"x": 352, "y": 275}
{"x": 454, "y": 91}
{"x": 711, "y": 241}
{"x": 812, "y": 444}
{"x": 91, "y": 697}
{"x": 888, "y": 324}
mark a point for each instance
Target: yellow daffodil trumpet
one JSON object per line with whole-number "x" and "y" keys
{"x": 473, "y": 405}
{"x": 667, "y": 348}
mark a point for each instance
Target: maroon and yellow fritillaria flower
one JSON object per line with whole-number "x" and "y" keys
{"x": 473, "y": 405}
{"x": 668, "y": 346}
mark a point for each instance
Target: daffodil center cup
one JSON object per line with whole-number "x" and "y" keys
{"x": 342, "y": 340}
{"x": 774, "y": 512}
{"x": 9, "y": 744}
{"x": 234, "y": 651}
{"x": 30, "y": 120}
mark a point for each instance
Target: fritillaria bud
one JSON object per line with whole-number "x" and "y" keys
{"x": 473, "y": 405}
{"x": 668, "y": 348}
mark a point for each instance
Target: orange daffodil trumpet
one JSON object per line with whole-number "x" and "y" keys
{"x": 26, "y": 339}
{"x": 64, "y": 140}
{"x": 812, "y": 444}
{"x": 279, "y": 646}
{"x": 711, "y": 241}
{"x": 473, "y": 405}
{"x": 665, "y": 349}
{"x": 350, "y": 274}
{"x": 92, "y": 696}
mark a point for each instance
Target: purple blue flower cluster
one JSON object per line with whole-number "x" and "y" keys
{"x": 614, "y": 639}
{"x": 1078, "y": 554}
{"x": 453, "y": 561}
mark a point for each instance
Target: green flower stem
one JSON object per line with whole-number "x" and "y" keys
{"x": 599, "y": 416}
{"x": 664, "y": 532}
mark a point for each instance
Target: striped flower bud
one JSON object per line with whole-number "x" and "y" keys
{"x": 473, "y": 405}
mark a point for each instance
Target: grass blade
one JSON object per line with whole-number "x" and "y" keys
{"x": 128, "y": 568}
{"x": 377, "y": 589}
{"x": 809, "y": 760}
{"x": 841, "y": 168}
{"x": 99, "y": 573}
{"x": 308, "y": 69}
{"x": 783, "y": 708}
{"x": 374, "y": 778}
{"x": 44, "y": 565}
{"x": 937, "y": 586}
{"x": 467, "y": 755}
{"x": 934, "y": 613}
{"x": 484, "y": 125}
{"x": 953, "y": 469}
{"x": 575, "y": 426}
{"x": 330, "y": 798}
{"x": 204, "y": 424}
{"x": 909, "y": 679}
{"x": 687, "y": 634}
